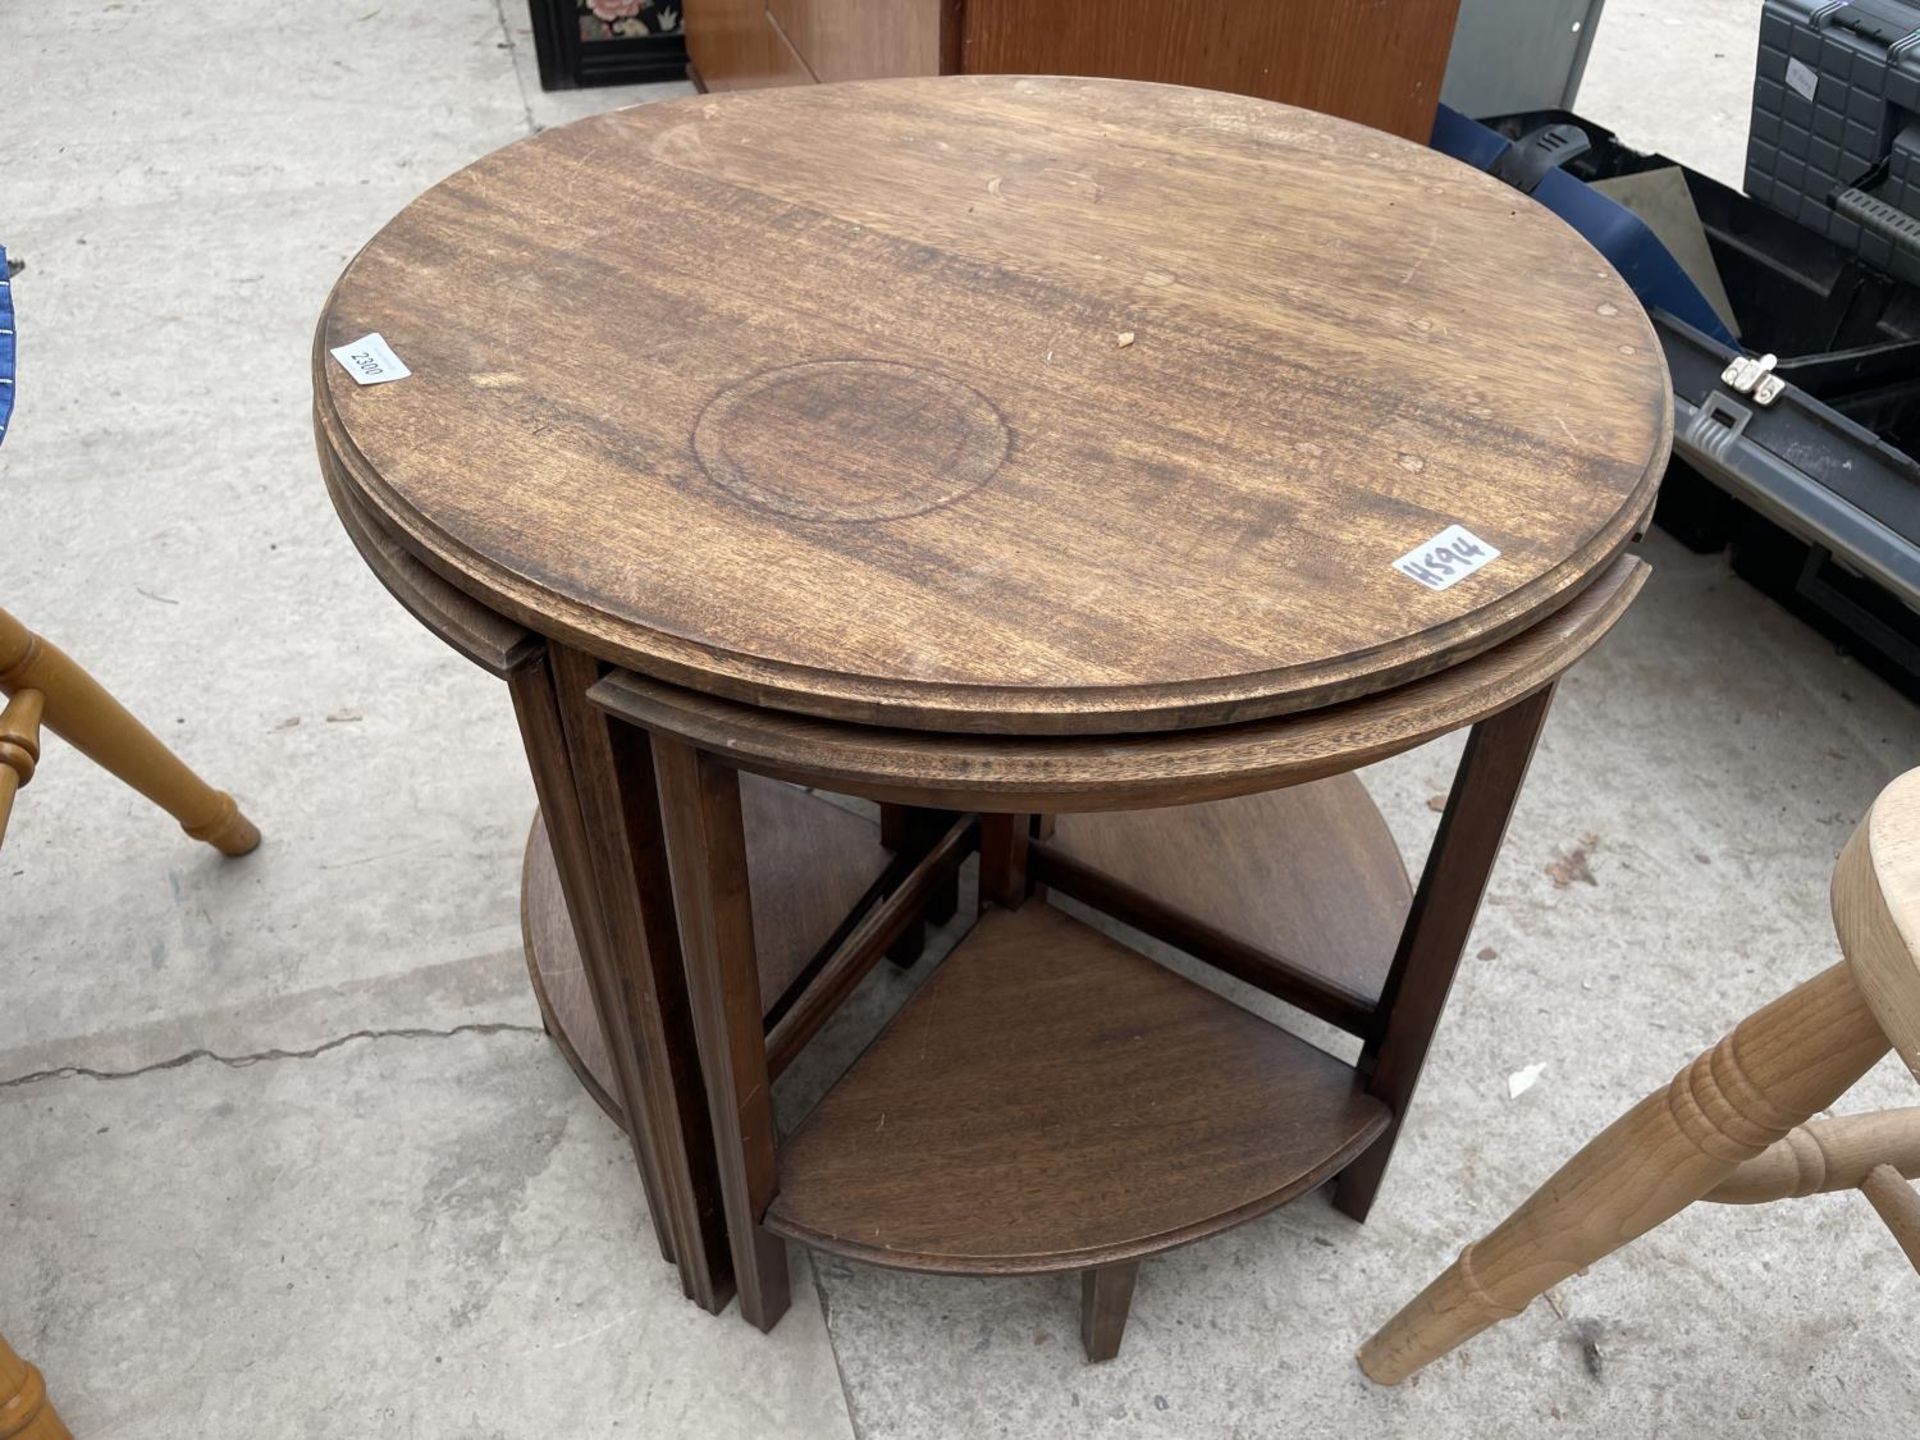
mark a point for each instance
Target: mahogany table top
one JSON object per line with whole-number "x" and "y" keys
{"x": 998, "y": 404}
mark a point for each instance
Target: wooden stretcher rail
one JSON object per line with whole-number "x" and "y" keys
{"x": 1274, "y": 974}
{"x": 823, "y": 987}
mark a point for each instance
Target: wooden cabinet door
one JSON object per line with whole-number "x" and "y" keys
{"x": 862, "y": 39}
{"x": 734, "y": 45}
{"x": 1376, "y": 61}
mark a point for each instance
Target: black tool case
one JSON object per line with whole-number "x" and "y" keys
{"x": 1812, "y": 481}
{"x": 1835, "y": 138}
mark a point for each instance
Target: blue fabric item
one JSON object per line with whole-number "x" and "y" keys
{"x": 1615, "y": 231}
{"x": 6, "y": 345}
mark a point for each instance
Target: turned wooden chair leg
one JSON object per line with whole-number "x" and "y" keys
{"x": 1898, "y": 1204}
{"x": 1106, "y": 1294}
{"x": 1734, "y": 1125}
{"x": 25, "y": 1411}
{"x": 1837, "y": 1153}
{"x": 1874, "y": 1153}
{"x": 19, "y": 749}
{"x": 1779, "y": 1067}
{"x": 83, "y": 714}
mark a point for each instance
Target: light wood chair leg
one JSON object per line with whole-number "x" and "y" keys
{"x": 1106, "y": 1295}
{"x": 82, "y": 713}
{"x": 1779, "y": 1066}
{"x": 25, "y": 1411}
{"x": 1875, "y": 1154}
{"x": 1825, "y": 1155}
{"x": 19, "y": 749}
{"x": 1899, "y": 1205}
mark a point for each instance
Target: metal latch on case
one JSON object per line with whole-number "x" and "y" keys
{"x": 1755, "y": 377}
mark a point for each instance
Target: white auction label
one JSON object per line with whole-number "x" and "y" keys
{"x": 1448, "y": 558}
{"x": 371, "y": 361}
{"x": 1801, "y": 77}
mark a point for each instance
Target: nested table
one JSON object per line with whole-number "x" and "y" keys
{"x": 1091, "y": 473}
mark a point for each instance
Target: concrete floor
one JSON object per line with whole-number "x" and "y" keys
{"x": 282, "y": 1150}
{"x": 1676, "y": 76}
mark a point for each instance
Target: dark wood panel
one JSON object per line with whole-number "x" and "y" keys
{"x": 1051, "y": 1100}
{"x": 1378, "y": 63}
{"x": 558, "y": 974}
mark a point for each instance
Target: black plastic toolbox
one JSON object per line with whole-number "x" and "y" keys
{"x": 1817, "y": 492}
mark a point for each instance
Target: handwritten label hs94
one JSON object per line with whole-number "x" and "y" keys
{"x": 1448, "y": 558}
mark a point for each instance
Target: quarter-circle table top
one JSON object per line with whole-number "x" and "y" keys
{"x": 996, "y": 404}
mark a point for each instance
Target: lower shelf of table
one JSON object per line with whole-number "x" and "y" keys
{"x": 1052, "y": 1100}
{"x": 1310, "y": 873}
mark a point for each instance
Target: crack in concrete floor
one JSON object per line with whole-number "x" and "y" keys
{"x": 241, "y": 1062}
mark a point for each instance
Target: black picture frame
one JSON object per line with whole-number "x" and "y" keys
{"x": 569, "y": 62}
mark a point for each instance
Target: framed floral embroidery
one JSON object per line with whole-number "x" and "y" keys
{"x": 607, "y": 42}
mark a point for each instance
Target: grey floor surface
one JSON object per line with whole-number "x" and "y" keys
{"x": 282, "y": 1150}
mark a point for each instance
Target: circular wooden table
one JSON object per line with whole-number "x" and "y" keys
{"x": 990, "y": 448}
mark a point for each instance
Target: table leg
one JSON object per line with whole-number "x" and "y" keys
{"x": 899, "y": 826}
{"x": 537, "y": 708}
{"x": 1485, "y": 787}
{"x": 902, "y": 826}
{"x": 699, "y": 803}
{"x": 641, "y": 982}
{"x": 1003, "y": 860}
{"x": 895, "y": 823}
{"x": 1106, "y": 1295}
{"x": 944, "y": 903}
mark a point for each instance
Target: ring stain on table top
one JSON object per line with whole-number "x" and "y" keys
{"x": 850, "y": 440}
